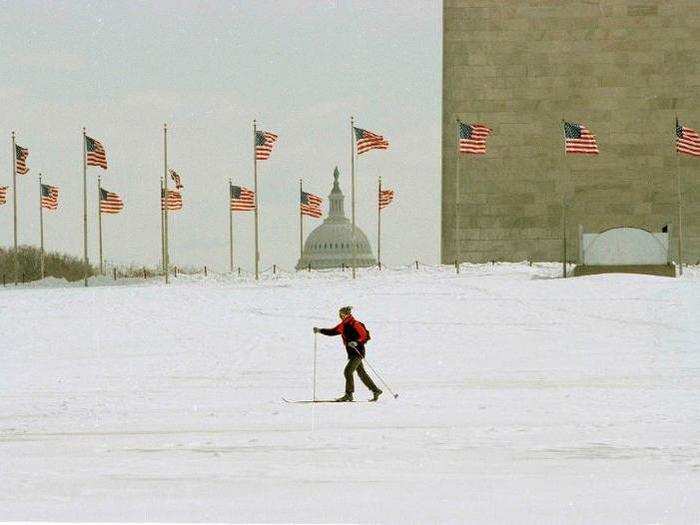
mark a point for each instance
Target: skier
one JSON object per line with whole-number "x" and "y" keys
{"x": 355, "y": 336}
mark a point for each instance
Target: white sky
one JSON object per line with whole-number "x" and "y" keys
{"x": 208, "y": 68}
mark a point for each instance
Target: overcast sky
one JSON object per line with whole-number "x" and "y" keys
{"x": 301, "y": 69}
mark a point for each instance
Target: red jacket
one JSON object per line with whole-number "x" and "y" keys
{"x": 351, "y": 330}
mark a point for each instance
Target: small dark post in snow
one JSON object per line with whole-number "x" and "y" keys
{"x": 309, "y": 266}
{"x": 274, "y": 269}
{"x": 205, "y": 271}
{"x": 239, "y": 271}
{"x": 144, "y": 272}
{"x": 175, "y": 271}
{"x": 114, "y": 272}
{"x": 416, "y": 265}
{"x": 3, "y": 279}
{"x": 456, "y": 266}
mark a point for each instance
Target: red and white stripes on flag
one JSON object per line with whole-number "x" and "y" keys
{"x": 242, "y": 199}
{"x": 49, "y": 197}
{"x": 110, "y": 202}
{"x": 687, "y": 140}
{"x": 264, "y": 142}
{"x": 385, "y": 198}
{"x": 472, "y": 138}
{"x": 3, "y": 195}
{"x": 95, "y": 153}
{"x": 174, "y": 200}
{"x": 366, "y": 140}
{"x": 310, "y": 205}
{"x": 21, "y": 155}
{"x": 578, "y": 140}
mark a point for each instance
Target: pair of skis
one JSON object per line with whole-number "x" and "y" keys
{"x": 311, "y": 401}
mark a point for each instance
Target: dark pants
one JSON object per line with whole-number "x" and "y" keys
{"x": 355, "y": 364}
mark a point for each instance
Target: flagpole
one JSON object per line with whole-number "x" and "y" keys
{"x": 379, "y": 225}
{"x": 301, "y": 223}
{"x": 166, "y": 258}
{"x": 352, "y": 191}
{"x": 85, "y": 239}
{"x": 41, "y": 229}
{"x": 14, "y": 203}
{"x": 257, "y": 201}
{"x": 563, "y": 262}
{"x": 680, "y": 215}
{"x": 99, "y": 220}
{"x": 563, "y": 208}
{"x": 230, "y": 226}
{"x": 458, "y": 244}
{"x": 162, "y": 226}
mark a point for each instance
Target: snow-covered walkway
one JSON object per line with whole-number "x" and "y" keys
{"x": 523, "y": 398}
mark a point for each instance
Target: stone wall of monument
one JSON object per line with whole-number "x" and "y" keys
{"x": 623, "y": 68}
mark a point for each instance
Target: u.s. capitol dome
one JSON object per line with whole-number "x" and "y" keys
{"x": 330, "y": 244}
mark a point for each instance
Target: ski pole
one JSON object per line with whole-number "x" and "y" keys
{"x": 380, "y": 378}
{"x": 315, "y": 351}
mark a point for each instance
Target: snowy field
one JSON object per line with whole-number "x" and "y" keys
{"x": 523, "y": 399}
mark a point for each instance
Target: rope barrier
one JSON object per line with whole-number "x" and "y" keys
{"x": 275, "y": 270}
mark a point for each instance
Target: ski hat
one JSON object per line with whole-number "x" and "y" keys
{"x": 345, "y": 310}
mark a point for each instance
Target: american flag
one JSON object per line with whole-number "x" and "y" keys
{"x": 174, "y": 200}
{"x": 472, "y": 138}
{"x": 385, "y": 198}
{"x": 96, "y": 154}
{"x": 310, "y": 205}
{"x": 176, "y": 178}
{"x": 577, "y": 139}
{"x": 21, "y": 155}
{"x": 264, "y": 141}
{"x": 687, "y": 140}
{"x": 49, "y": 197}
{"x": 3, "y": 194}
{"x": 242, "y": 199}
{"x": 366, "y": 140}
{"x": 110, "y": 202}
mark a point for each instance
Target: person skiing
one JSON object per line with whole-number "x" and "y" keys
{"x": 354, "y": 336}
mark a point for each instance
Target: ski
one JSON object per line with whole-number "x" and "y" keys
{"x": 310, "y": 401}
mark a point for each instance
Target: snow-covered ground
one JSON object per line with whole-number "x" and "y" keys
{"x": 523, "y": 398}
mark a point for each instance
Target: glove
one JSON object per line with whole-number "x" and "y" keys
{"x": 353, "y": 345}
{"x": 316, "y": 329}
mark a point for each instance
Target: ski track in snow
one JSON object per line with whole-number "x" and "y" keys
{"x": 523, "y": 398}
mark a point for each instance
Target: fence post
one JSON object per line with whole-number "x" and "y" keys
{"x": 416, "y": 265}
{"x": 22, "y": 277}
{"x": 3, "y": 279}
{"x": 274, "y": 269}
{"x": 175, "y": 271}
{"x": 144, "y": 272}
{"x": 239, "y": 271}
{"x": 205, "y": 271}
{"x": 114, "y": 272}
{"x": 309, "y": 266}
{"x": 456, "y": 266}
